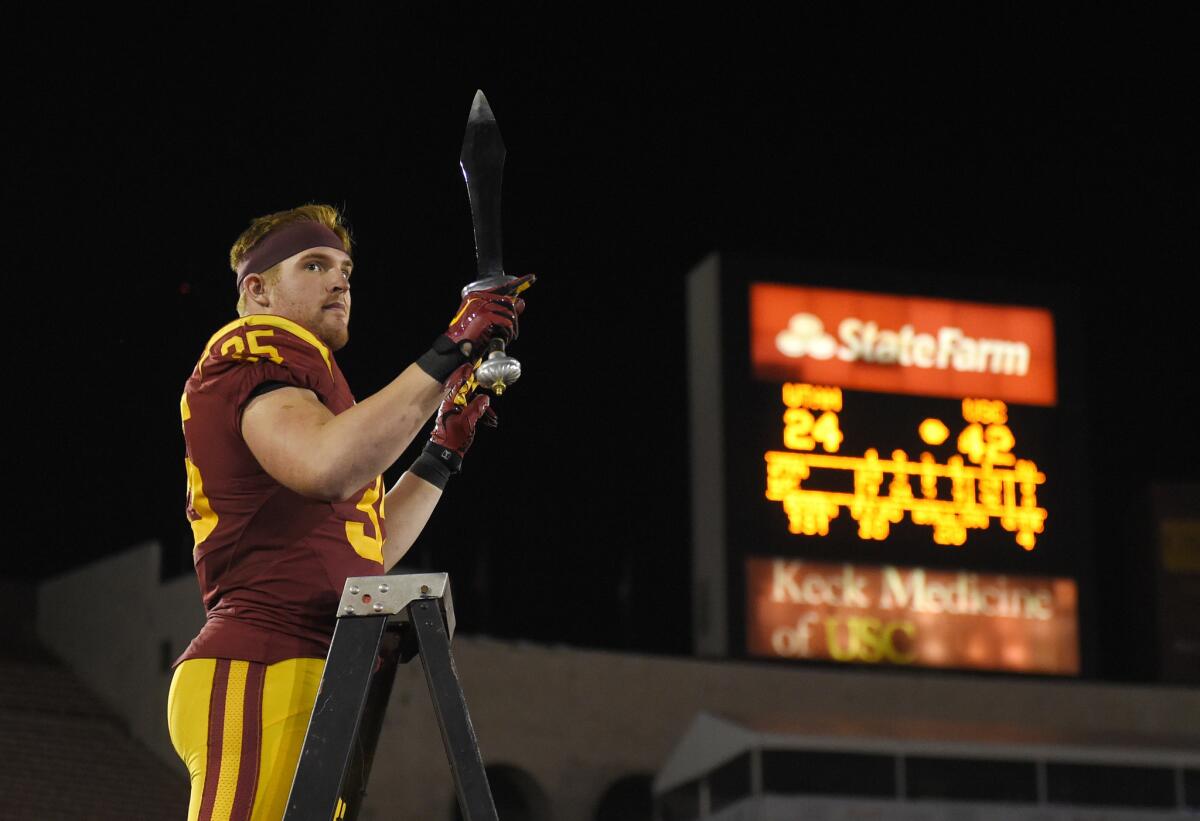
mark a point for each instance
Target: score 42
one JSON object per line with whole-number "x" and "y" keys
{"x": 987, "y": 439}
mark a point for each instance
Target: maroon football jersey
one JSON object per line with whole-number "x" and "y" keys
{"x": 271, "y": 563}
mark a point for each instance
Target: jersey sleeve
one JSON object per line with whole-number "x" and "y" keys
{"x": 259, "y": 349}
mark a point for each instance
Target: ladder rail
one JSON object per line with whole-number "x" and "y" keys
{"x": 450, "y": 705}
{"x": 333, "y": 728}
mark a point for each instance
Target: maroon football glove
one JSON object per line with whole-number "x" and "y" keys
{"x": 482, "y": 316}
{"x": 454, "y": 431}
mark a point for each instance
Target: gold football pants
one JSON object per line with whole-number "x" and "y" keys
{"x": 239, "y": 727}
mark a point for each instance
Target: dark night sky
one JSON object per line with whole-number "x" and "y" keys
{"x": 1027, "y": 147}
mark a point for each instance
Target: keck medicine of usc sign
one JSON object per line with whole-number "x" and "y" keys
{"x": 911, "y": 616}
{"x": 902, "y": 344}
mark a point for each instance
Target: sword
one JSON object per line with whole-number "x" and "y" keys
{"x": 482, "y": 162}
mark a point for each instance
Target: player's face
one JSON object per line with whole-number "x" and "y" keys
{"x": 314, "y": 290}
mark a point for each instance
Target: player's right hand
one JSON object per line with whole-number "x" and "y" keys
{"x": 457, "y": 418}
{"x": 455, "y": 425}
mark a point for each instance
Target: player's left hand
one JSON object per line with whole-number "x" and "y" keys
{"x": 455, "y": 427}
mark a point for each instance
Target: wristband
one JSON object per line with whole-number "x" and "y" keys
{"x": 436, "y": 465}
{"x": 442, "y": 359}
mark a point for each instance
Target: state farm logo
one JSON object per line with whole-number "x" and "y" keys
{"x": 805, "y": 336}
{"x": 949, "y": 348}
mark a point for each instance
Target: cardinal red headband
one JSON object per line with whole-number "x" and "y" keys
{"x": 284, "y": 242}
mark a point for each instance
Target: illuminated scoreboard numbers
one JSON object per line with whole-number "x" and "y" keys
{"x": 987, "y": 438}
{"x": 802, "y": 429}
{"x": 996, "y": 485}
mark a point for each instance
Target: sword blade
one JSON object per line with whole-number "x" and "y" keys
{"x": 482, "y": 163}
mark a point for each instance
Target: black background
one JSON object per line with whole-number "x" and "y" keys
{"x": 1028, "y": 144}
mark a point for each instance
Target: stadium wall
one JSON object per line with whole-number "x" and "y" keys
{"x": 575, "y": 720}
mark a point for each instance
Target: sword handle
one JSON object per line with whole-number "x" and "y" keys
{"x": 497, "y": 370}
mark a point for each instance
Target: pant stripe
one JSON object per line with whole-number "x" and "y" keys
{"x": 216, "y": 724}
{"x": 247, "y": 776}
{"x": 231, "y": 741}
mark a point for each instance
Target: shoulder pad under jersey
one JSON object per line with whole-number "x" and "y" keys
{"x": 273, "y": 348}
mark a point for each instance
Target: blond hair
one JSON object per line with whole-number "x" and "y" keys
{"x": 327, "y": 215}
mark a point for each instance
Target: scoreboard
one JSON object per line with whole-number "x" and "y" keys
{"x": 885, "y": 471}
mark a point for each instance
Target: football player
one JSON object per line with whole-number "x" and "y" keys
{"x": 286, "y": 498}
